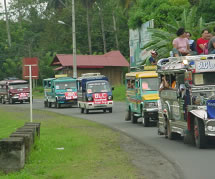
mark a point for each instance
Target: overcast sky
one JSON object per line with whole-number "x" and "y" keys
{"x": 2, "y": 3}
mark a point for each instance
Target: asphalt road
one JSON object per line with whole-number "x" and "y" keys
{"x": 192, "y": 162}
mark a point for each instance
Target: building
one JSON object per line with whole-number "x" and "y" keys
{"x": 110, "y": 64}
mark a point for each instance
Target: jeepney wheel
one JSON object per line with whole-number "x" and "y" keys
{"x": 128, "y": 115}
{"x": 145, "y": 120}
{"x": 199, "y": 133}
{"x": 87, "y": 111}
{"x": 49, "y": 104}
{"x": 21, "y": 102}
{"x": 45, "y": 104}
{"x": 58, "y": 105}
{"x": 11, "y": 101}
{"x": 82, "y": 110}
{"x": 104, "y": 110}
{"x": 3, "y": 101}
{"x": 110, "y": 110}
{"x": 170, "y": 135}
{"x": 133, "y": 118}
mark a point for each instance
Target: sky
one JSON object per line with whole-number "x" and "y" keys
{"x": 2, "y": 4}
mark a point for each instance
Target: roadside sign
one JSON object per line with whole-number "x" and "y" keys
{"x": 34, "y": 68}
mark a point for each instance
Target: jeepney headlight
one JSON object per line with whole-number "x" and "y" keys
{"x": 110, "y": 97}
{"x": 89, "y": 98}
{"x": 151, "y": 105}
{"x": 211, "y": 126}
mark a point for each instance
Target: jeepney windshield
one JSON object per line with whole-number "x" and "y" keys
{"x": 18, "y": 86}
{"x": 93, "y": 87}
{"x": 149, "y": 84}
{"x": 206, "y": 78}
{"x": 65, "y": 85}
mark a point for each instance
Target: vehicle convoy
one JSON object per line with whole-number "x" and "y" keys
{"x": 14, "y": 90}
{"x": 142, "y": 96}
{"x": 94, "y": 93}
{"x": 188, "y": 108}
{"x": 58, "y": 91}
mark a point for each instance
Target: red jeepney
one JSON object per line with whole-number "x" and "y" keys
{"x": 14, "y": 90}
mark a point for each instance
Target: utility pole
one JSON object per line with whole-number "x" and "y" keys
{"x": 74, "y": 41}
{"x": 7, "y": 24}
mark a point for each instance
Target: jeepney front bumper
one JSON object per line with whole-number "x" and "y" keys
{"x": 63, "y": 100}
{"x": 91, "y": 105}
{"x": 16, "y": 98}
{"x": 151, "y": 114}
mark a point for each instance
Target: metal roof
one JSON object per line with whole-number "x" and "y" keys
{"x": 113, "y": 58}
{"x": 144, "y": 74}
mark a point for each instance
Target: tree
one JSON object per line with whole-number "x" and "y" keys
{"x": 159, "y": 10}
{"x": 88, "y": 5}
{"x": 7, "y": 23}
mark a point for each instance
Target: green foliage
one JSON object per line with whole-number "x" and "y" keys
{"x": 35, "y": 32}
{"x": 119, "y": 93}
{"x": 206, "y": 9}
{"x": 159, "y": 10}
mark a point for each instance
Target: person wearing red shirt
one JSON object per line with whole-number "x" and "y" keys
{"x": 202, "y": 43}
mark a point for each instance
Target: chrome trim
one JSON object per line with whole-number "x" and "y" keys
{"x": 152, "y": 110}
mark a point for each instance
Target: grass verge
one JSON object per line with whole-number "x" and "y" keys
{"x": 90, "y": 149}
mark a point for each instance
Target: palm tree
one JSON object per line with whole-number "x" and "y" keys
{"x": 88, "y": 5}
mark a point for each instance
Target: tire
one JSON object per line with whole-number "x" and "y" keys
{"x": 11, "y": 101}
{"x": 45, "y": 104}
{"x": 145, "y": 120}
{"x": 128, "y": 115}
{"x": 133, "y": 118}
{"x": 87, "y": 111}
{"x": 199, "y": 133}
{"x": 110, "y": 110}
{"x": 82, "y": 110}
{"x": 21, "y": 102}
{"x": 170, "y": 135}
{"x": 58, "y": 105}
{"x": 49, "y": 104}
{"x": 104, "y": 110}
{"x": 3, "y": 101}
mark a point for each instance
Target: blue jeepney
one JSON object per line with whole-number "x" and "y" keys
{"x": 58, "y": 91}
{"x": 94, "y": 93}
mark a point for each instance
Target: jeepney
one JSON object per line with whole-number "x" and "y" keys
{"x": 142, "y": 96}
{"x": 188, "y": 109}
{"x": 60, "y": 90}
{"x": 14, "y": 90}
{"x": 94, "y": 93}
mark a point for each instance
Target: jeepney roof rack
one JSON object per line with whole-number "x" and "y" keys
{"x": 180, "y": 63}
{"x": 90, "y": 74}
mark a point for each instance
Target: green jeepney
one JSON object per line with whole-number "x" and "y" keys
{"x": 58, "y": 91}
{"x": 142, "y": 96}
{"x": 188, "y": 109}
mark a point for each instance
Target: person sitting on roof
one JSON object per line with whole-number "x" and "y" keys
{"x": 181, "y": 45}
{"x": 152, "y": 59}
